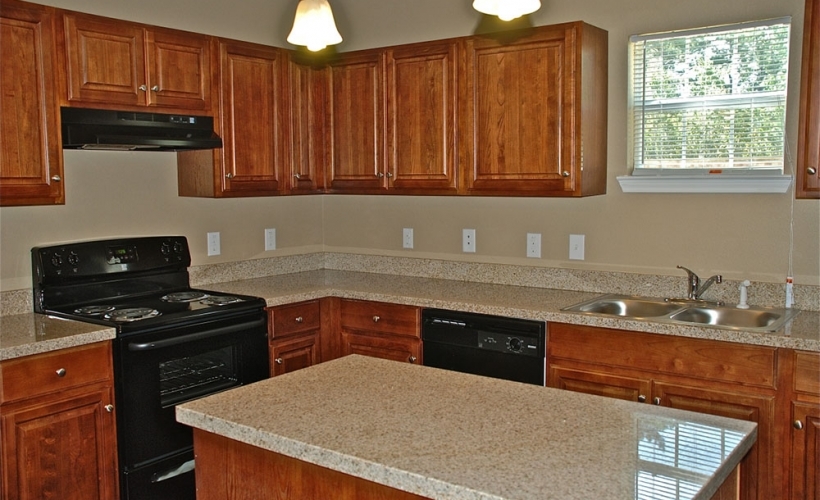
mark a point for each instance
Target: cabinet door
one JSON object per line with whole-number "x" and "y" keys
{"x": 61, "y": 448}
{"x": 421, "y": 82}
{"x": 179, "y": 70}
{"x": 393, "y": 347}
{"x": 808, "y": 147}
{"x": 519, "y": 114}
{"x": 356, "y": 123}
{"x": 294, "y": 353}
{"x": 105, "y": 60}
{"x": 251, "y": 113}
{"x": 758, "y": 467}
{"x": 31, "y": 161}
{"x": 805, "y": 439}
{"x": 308, "y": 88}
{"x": 599, "y": 383}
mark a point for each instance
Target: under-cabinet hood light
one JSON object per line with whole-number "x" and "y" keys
{"x": 506, "y": 10}
{"x": 314, "y": 26}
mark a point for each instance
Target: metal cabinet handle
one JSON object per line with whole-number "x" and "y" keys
{"x": 565, "y": 173}
{"x": 143, "y": 87}
{"x": 811, "y": 170}
{"x": 297, "y": 176}
{"x": 380, "y": 175}
{"x": 641, "y": 398}
{"x": 229, "y": 175}
{"x": 155, "y": 88}
{"x": 279, "y": 361}
{"x": 656, "y": 401}
{"x": 61, "y": 372}
{"x": 798, "y": 425}
{"x": 376, "y": 319}
{"x": 56, "y": 178}
{"x": 109, "y": 408}
{"x": 299, "y": 319}
{"x": 412, "y": 359}
{"x": 389, "y": 174}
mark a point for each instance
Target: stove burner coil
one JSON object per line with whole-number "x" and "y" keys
{"x": 220, "y": 300}
{"x": 184, "y": 296}
{"x": 93, "y": 310}
{"x": 132, "y": 314}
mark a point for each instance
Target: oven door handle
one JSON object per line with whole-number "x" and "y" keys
{"x": 159, "y": 344}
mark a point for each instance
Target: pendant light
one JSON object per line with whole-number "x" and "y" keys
{"x": 506, "y": 10}
{"x": 314, "y": 26}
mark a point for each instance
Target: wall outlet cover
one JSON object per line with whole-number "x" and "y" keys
{"x": 534, "y": 245}
{"x": 270, "y": 239}
{"x": 576, "y": 247}
{"x": 213, "y": 244}
{"x": 468, "y": 240}
{"x": 407, "y": 237}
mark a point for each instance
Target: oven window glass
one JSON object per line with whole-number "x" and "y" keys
{"x": 184, "y": 379}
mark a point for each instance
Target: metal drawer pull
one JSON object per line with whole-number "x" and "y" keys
{"x": 229, "y": 175}
{"x": 143, "y": 87}
{"x": 299, "y": 319}
{"x": 376, "y": 319}
{"x": 279, "y": 361}
{"x": 798, "y": 425}
{"x": 641, "y": 398}
{"x": 109, "y": 408}
{"x": 565, "y": 173}
{"x": 155, "y": 88}
{"x": 811, "y": 170}
{"x": 412, "y": 359}
{"x": 61, "y": 372}
{"x": 656, "y": 401}
{"x": 56, "y": 178}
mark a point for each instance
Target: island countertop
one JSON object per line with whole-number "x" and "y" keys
{"x": 442, "y": 434}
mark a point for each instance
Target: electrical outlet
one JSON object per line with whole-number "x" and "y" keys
{"x": 213, "y": 244}
{"x": 407, "y": 237}
{"x": 270, "y": 239}
{"x": 534, "y": 245}
{"x": 468, "y": 240}
{"x": 576, "y": 247}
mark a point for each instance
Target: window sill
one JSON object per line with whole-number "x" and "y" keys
{"x": 705, "y": 184}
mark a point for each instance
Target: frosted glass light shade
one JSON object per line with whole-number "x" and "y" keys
{"x": 506, "y": 10}
{"x": 314, "y": 26}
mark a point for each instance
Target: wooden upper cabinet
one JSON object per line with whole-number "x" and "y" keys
{"x": 356, "y": 122}
{"x": 808, "y": 158}
{"x": 308, "y": 148}
{"x": 252, "y": 126}
{"x": 31, "y": 162}
{"x": 118, "y": 63}
{"x": 534, "y": 112}
{"x": 421, "y": 117}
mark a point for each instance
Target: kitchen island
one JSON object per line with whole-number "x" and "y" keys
{"x": 423, "y": 432}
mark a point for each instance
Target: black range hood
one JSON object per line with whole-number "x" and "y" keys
{"x": 102, "y": 129}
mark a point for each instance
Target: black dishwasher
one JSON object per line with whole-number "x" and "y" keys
{"x": 493, "y": 346}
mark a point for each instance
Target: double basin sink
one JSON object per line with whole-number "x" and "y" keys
{"x": 690, "y": 312}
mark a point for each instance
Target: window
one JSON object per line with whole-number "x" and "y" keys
{"x": 710, "y": 102}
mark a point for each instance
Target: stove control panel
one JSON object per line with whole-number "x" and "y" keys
{"x": 122, "y": 254}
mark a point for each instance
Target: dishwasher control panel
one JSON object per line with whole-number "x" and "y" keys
{"x": 510, "y": 344}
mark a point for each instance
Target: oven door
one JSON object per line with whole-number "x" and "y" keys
{"x": 159, "y": 369}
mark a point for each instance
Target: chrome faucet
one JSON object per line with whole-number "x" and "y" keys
{"x": 695, "y": 287}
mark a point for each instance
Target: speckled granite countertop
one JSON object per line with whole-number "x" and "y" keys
{"x": 442, "y": 434}
{"x": 26, "y": 334}
{"x": 506, "y": 300}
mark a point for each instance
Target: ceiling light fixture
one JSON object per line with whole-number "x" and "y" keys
{"x": 506, "y": 10}
{"x": 314, "y": 26}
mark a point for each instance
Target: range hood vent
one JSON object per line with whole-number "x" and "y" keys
{"x": 102, "y": 129}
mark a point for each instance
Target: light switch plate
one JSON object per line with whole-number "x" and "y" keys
{"x": 213, "y": 244}
{"x": 407, "y": 237}
{"x": 576, "y": 247}
{"x": 534, "y": 245}
{"x": 270, "y": 239}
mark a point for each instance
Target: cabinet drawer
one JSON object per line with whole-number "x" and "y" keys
{"x": 294, "y": 318}
{"x": 40, "y": 374}
{"x": 668, "y": 354}
{"x": 807, "y": 373}
{"x": 380, "y": 317}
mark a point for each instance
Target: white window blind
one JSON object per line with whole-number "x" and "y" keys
{"x": 711, "y": 100}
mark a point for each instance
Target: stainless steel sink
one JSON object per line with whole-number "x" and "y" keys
{"x": 716, "y": 315}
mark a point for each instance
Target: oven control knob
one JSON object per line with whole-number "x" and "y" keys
{"x": 57, "y": 259}
{"x": 515, "y": 344}
{"x": 178, "y": 247}
{"x": 165, "y": 248}
{"x": 73, "y": 259}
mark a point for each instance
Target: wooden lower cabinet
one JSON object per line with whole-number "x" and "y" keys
{"x": 388, "y": 331}
{"x": 293, "y": 353}
{"x": 295, "y": 332}
{"x": 683, "y": 373}
{"x": 804, "y": 426}
{"x": 59, "y": 441}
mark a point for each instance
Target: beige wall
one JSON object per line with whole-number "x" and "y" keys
{"x": 741, "y": 236}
